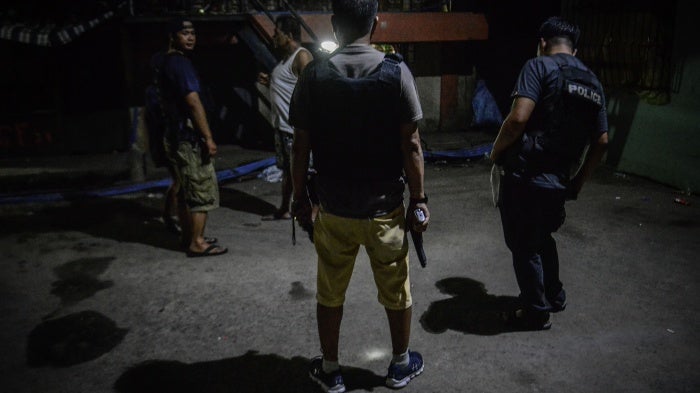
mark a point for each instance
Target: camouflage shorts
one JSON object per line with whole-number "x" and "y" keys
{"x": 198, "y": 183}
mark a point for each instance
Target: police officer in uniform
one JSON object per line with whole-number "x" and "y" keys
{"x": 549, "y": 144}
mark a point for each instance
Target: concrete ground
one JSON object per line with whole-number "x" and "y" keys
{"x": 96, "y": 297}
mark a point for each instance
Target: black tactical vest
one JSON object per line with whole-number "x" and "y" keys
{"x": 355, "y": 139}
{"x": 562, "y": 125}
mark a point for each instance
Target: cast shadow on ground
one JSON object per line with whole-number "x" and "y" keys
{"x": 470, "y": 309}
{"x": 79, "y": 279}
{"x": 238, "y": 200}
{"x": 72, "y": 339}
{"x": 251, "y": 372}
{"x": 124, "y": 220}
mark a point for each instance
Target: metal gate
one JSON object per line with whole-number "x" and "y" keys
{"x": 627, "y": 43}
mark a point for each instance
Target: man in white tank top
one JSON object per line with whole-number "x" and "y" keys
{"x": 281, "y": 83}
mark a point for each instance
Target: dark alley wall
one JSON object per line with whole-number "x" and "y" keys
{"x": 662, "y": 142}
{"x": 63, "y": 99}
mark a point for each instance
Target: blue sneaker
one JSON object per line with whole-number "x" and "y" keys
{"x": 330, "y": 383}
{"x": 399, "y": 376}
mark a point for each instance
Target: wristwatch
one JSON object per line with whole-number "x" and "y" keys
{"x": 414, "y": 201}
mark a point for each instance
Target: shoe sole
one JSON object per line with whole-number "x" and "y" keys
{"x": 394, "y": 384}
{"x": 558, "y": 309}
{"x": 334, "y": 389}
{"x": 522, "y": 324}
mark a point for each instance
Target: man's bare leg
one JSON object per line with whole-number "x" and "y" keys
{"x": 183, "y": 213}
{"x": 329, "y": 319}
{"x": 400, "y": 329}
{"x": 198, "y": 244}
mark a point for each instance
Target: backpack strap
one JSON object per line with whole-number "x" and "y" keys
{"x": 171, "y": 127}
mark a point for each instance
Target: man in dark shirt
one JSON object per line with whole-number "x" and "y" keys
{"x": 536, "y": 179}
{"x": 189, "y": 144}
{"x": 360, "y": 159}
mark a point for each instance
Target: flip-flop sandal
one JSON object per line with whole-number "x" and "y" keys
{"x": 208, "y": 240}
{"x": 208, "y": 252}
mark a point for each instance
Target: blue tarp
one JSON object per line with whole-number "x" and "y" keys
{"x": 223, "y": 175}
{"x": 486, "y": 112}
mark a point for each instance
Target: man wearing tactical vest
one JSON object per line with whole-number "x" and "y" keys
{"x": 549, "y": 144}
{"x": 357, "y": 111}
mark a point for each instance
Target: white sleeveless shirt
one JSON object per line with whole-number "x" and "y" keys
{"x": 282, "y": 82}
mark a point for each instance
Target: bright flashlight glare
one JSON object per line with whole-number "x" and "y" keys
{"x": 375, "y": 354}
{"x": 329, "y": 46}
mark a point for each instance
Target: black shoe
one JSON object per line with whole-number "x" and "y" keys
{"x": 526, "y": 319}
{"x": 558, "y": 307}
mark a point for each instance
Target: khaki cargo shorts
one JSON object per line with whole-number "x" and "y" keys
{"x": 198, "y": 183}
{"x": 337, "y": 241}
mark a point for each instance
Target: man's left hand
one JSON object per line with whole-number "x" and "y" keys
{"x": 211, "y": 147}
{"x": 493, "y": 156}
{"x": 411, "y": 217}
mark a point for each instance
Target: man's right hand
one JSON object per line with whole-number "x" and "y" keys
{"x": 264, "y": 79}
{"x": 302, "y": 211}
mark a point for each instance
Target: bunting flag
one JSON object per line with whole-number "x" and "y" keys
{"x": 52, "y": 35}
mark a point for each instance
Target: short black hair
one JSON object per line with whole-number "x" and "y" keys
{"x": 355, "y": 16}
{"x": 289, "y": 25}
{"x": 557, "y": 30}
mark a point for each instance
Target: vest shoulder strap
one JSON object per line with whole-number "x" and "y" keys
{"x": 390, "y": 69}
